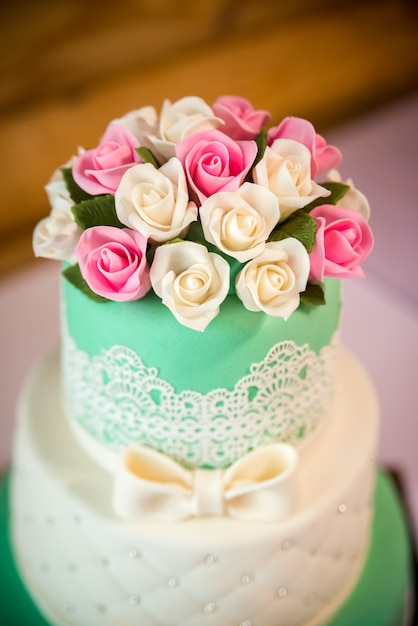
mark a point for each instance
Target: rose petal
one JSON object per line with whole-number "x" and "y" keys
{"x": 273, "y": 281}
{"x": 214, "y": 162}
{"x": 241, "y": 121}
{"x": 155, "y": 202}
{"x": 100, "y": 170}
{"x": 343, "y": 241}
{"x": 113, "y": 262}
{"x": 239, "y": 222}
{"x": 191, "y": 281}
{"x": 285, "y": 170}
{"x": 323, "y": 156}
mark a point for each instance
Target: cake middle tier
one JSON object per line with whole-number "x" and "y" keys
{"x": 133, "y": 375}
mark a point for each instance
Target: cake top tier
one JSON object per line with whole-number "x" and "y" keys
{"x": 201, "y": 201}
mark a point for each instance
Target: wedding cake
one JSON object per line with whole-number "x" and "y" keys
{"x": 200, "y": 451}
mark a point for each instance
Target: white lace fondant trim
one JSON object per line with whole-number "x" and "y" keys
{"x": 119, "y": 401}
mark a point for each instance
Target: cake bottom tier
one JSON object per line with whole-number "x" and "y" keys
{"x": 380, "y": 597}
{"x": 85, "y": 567}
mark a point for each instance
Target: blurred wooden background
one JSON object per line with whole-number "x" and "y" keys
{"x": 68, "y": 67}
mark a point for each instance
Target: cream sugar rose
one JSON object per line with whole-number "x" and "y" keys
{"x": 201, "y": 201}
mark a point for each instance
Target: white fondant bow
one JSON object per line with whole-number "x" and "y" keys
{"x": 259, "y": 487}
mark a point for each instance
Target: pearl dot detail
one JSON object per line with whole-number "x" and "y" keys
{"x": 134, "y": 553}
{"x": 246, "y": 622}
{"x": 173, "y": 582}
{"x": 342, "y": 508}
{"x": 247, "y": 578}
{"x": 133, "y": 599}
{"x": 210, "y": 607}
{"x": 281, "y": 592}
{"x": 211, "y": 559}
{"x": 287, "y": 544}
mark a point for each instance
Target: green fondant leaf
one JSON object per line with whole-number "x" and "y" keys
{"x": 175, "y": 240}
{"x": 99, "y": 211}
{"x": 150, "y": 253}
{"x": 338, "y": 191}
{"x": 195, "y": 233}
{"x": 313, "y": 294}
{"x": 299, "y": 225}
{"x": 74, "y": 276}
{"x": 147, "y": 156}
{"x": 261, "y": 141}
{"x": 76, "y": 193}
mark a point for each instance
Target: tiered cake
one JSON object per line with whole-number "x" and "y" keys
{"x": 201, "y": 450}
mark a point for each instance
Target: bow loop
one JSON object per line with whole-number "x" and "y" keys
{"x": 259, "y": 487}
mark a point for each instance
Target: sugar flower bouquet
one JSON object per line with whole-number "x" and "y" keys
{"x": 203, "y": 201}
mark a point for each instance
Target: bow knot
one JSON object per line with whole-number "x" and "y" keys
{"x": 259, "y": 487}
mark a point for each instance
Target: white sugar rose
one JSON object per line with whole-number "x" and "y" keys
{"x": 187, "y": 116}
{"x": 239, "y": 222}
{"x": 155, "y": 202}
{"x": 57, "y": 192}
{"x": 353, "y": 199}
{"x": 273, "y": 281}
{"x": 285, "y": 169}
{"x": 140, "y": 123}
{"x": 191, "y": 282}
{"x": 56, "y": 236}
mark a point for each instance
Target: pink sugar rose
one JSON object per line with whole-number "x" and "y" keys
{"x": 241, "y": 120}
{"x": 343, "y": 241}
{"x": 214, "y": 162}
{"x": 113, "y": 262}
{"x": 100, "y": 170}
{"x": 323, "y": 156}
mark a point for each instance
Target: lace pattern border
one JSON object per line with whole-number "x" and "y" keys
{"x": 118, "y": 400}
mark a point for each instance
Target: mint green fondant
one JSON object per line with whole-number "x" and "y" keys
{"x": 17, "y": 606}
{"x": 385, "y": 585}
{"x": 377, "y": 600}
{"x": 188, "y": 359}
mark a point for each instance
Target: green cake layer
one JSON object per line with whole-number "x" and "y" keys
{"x": 379, "y": 598}
{"x": 132, "y": 374}
{"x": 188, "y": 359}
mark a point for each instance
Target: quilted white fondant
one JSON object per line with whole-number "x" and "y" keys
{"x": 85, "y": 566}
